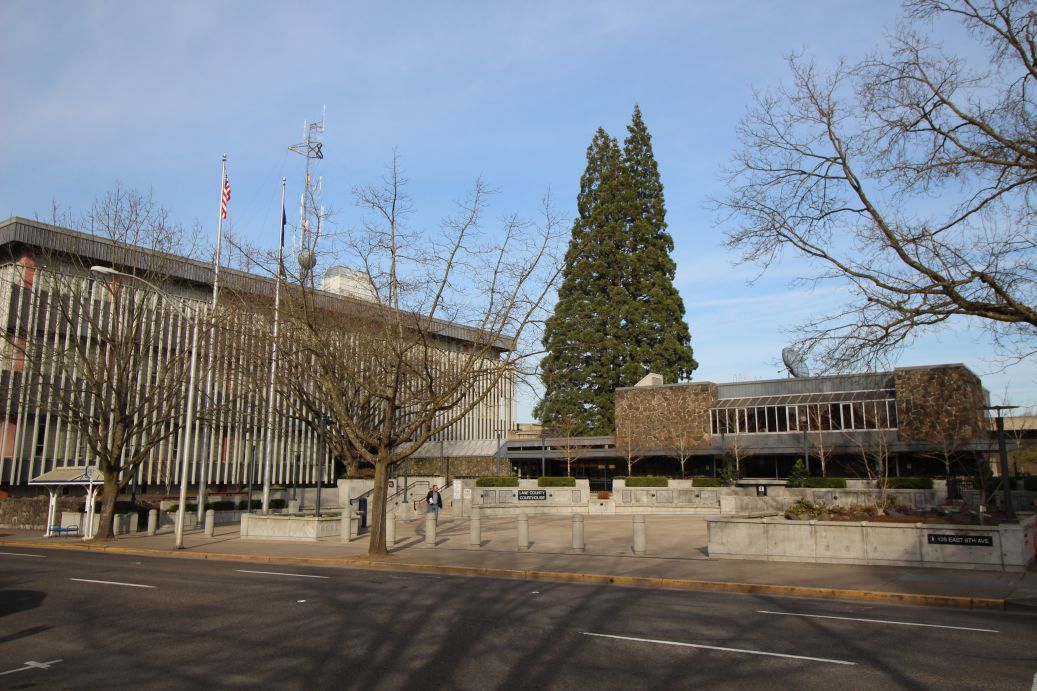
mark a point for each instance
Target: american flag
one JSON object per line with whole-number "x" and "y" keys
{"x": 226, "y": 197}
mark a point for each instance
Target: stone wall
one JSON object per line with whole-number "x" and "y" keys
{"x": 468, "y": 466}
{"x": 940, "y": 405}
{"x": 664, "y": 417}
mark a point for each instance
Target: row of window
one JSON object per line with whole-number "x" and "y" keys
{"x": 813, "y": 417}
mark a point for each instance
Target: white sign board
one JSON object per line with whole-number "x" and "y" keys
{"x": 467, "y": 492}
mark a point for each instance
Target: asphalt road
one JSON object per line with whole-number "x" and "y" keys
{"x": 88, "y": 621}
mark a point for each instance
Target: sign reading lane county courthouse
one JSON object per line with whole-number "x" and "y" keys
{"x": 966, "y": 540}
{"x": 532, "y": 495}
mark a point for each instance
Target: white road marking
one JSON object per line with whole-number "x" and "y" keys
{"x": 721, "y": 649}
{"x": 128, "y": 585}
{"x": 879, "y": 621}
{"x": 278, "y": 573}
{"x": 31, "y": 664}
{"x": 20, "y": 554}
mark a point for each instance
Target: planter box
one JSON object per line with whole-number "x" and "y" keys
{"x": 1008, "y": 547}
{"x": 291, "y": 528}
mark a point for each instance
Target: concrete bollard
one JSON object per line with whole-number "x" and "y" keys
{"x": 390, "y": 529}
{"x": 523, "y": 532}
{"x": 210, "y": 522}
{"x": 430, "y": 529}
{"x": 475, "y": 529}
{"x": 578, "y": 542}
{"x": 293, "y": 506}
{"x": 639, "y": 534}
{"x": 152, "y": 521}
{"x": 117, "y": 524}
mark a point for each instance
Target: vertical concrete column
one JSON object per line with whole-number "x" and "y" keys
{"x": 152, "y": 521}
{"x": 523, "y": 532}
{"x": 639, "y": 534}
{"x": 475, "y": 529}
{"x": 354, "y": 524}
{"x": 117, "y": 524}
{"x": 430, "y": 529}
{"x": 210, "y": 522}
{"x": 390, "y": 529}
{"x": 578, "y": 543}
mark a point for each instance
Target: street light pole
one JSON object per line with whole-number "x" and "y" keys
{"x": 192, "y": 377}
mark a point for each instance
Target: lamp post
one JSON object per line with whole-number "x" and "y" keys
{"x": 1006, "y": 479}
{"x": 189, "y": 422}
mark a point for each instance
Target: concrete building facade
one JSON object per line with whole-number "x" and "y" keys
{"x": 35, "y": 437}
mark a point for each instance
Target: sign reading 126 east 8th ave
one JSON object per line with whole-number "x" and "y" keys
{"x": 966, "y": 540}
{"x": 532, "y": 495}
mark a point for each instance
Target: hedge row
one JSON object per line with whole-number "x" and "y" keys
{"x": 821, "y": 483}
{"x": 707, "y": 482}
{"x": 549, "y": 481}
{"x": 647, "y": 481}
{"x": 505, "y": 481}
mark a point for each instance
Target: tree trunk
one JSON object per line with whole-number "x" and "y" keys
{"x": 376, "y": 511}
{"x": 107, "y": 517}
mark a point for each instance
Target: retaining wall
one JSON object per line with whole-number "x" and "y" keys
{"x": 1008, "y": 547}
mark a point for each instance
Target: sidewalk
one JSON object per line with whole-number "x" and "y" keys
{"x": 675, "y": 558}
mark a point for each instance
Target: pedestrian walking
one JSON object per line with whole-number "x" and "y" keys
{"x": 434, "y": 500}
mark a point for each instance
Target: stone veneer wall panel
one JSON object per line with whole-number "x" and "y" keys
{"x": 661, "y": 417}
{"x": 940, "y": 405}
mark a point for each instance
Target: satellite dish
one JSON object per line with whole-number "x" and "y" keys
{"x": 795, "y": 363}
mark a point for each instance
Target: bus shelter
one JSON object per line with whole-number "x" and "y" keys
{"x": 87, "y": 477}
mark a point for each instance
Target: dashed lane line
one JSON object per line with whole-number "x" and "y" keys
{"x": 878, "y": 621}
{"x": 128, "y": 585}
{"x": 278, "y": 573}
{"x": 719, "y": 648}
{"x": 22, "y": 554}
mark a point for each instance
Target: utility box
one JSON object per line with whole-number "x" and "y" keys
{"x": 761, "y": 490}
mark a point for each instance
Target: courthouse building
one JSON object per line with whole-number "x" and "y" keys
{"x": 35, "y": 437}
{"x": 911, "y": 421}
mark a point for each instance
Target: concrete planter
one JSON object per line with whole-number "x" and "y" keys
{"x": 292, "y": 528}
{"x": 1005, "y": 547}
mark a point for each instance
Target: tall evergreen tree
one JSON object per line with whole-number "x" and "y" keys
{"x": 618, "y": 315}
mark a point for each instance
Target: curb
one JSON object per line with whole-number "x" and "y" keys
{"x": 595, "y": 579}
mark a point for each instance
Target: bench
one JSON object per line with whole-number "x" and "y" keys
{"x": 58, "y": 530}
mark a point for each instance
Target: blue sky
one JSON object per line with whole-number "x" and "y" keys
{"x": 151, "y": 94}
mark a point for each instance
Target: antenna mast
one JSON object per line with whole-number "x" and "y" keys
{"x": 305, "y": 242}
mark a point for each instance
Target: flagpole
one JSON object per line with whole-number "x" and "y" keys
{"x": 268, "y": 450}
{"x": 203, "y": 479}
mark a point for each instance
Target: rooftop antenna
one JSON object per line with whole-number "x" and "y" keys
{"x": 305, "y": 243}
{"x": 794, "y": 362}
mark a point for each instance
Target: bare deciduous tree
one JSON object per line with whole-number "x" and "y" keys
{"x": 908, "y": 177}
{"x": 438, "y": 328}
{"x": 109, "y": 358}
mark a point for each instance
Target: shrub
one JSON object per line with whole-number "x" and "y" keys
{"x": 799, "y": 474}
{"x": 909, "y": 483}
{"x": 604, "y": 494}
{"x": 647, "y": 481}
{"x": 807, "y": 509}
{"x": 277, "y": 503}
{"x": 825, "y": 482}
{"x": 549, "y": 481}
{"x": 503, "y": 481}
{"x": 707, "y": 482}
{"x": 1030, "y": 483}
{"x": 223, "y": 505}
{"x": 243, "y": 505}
